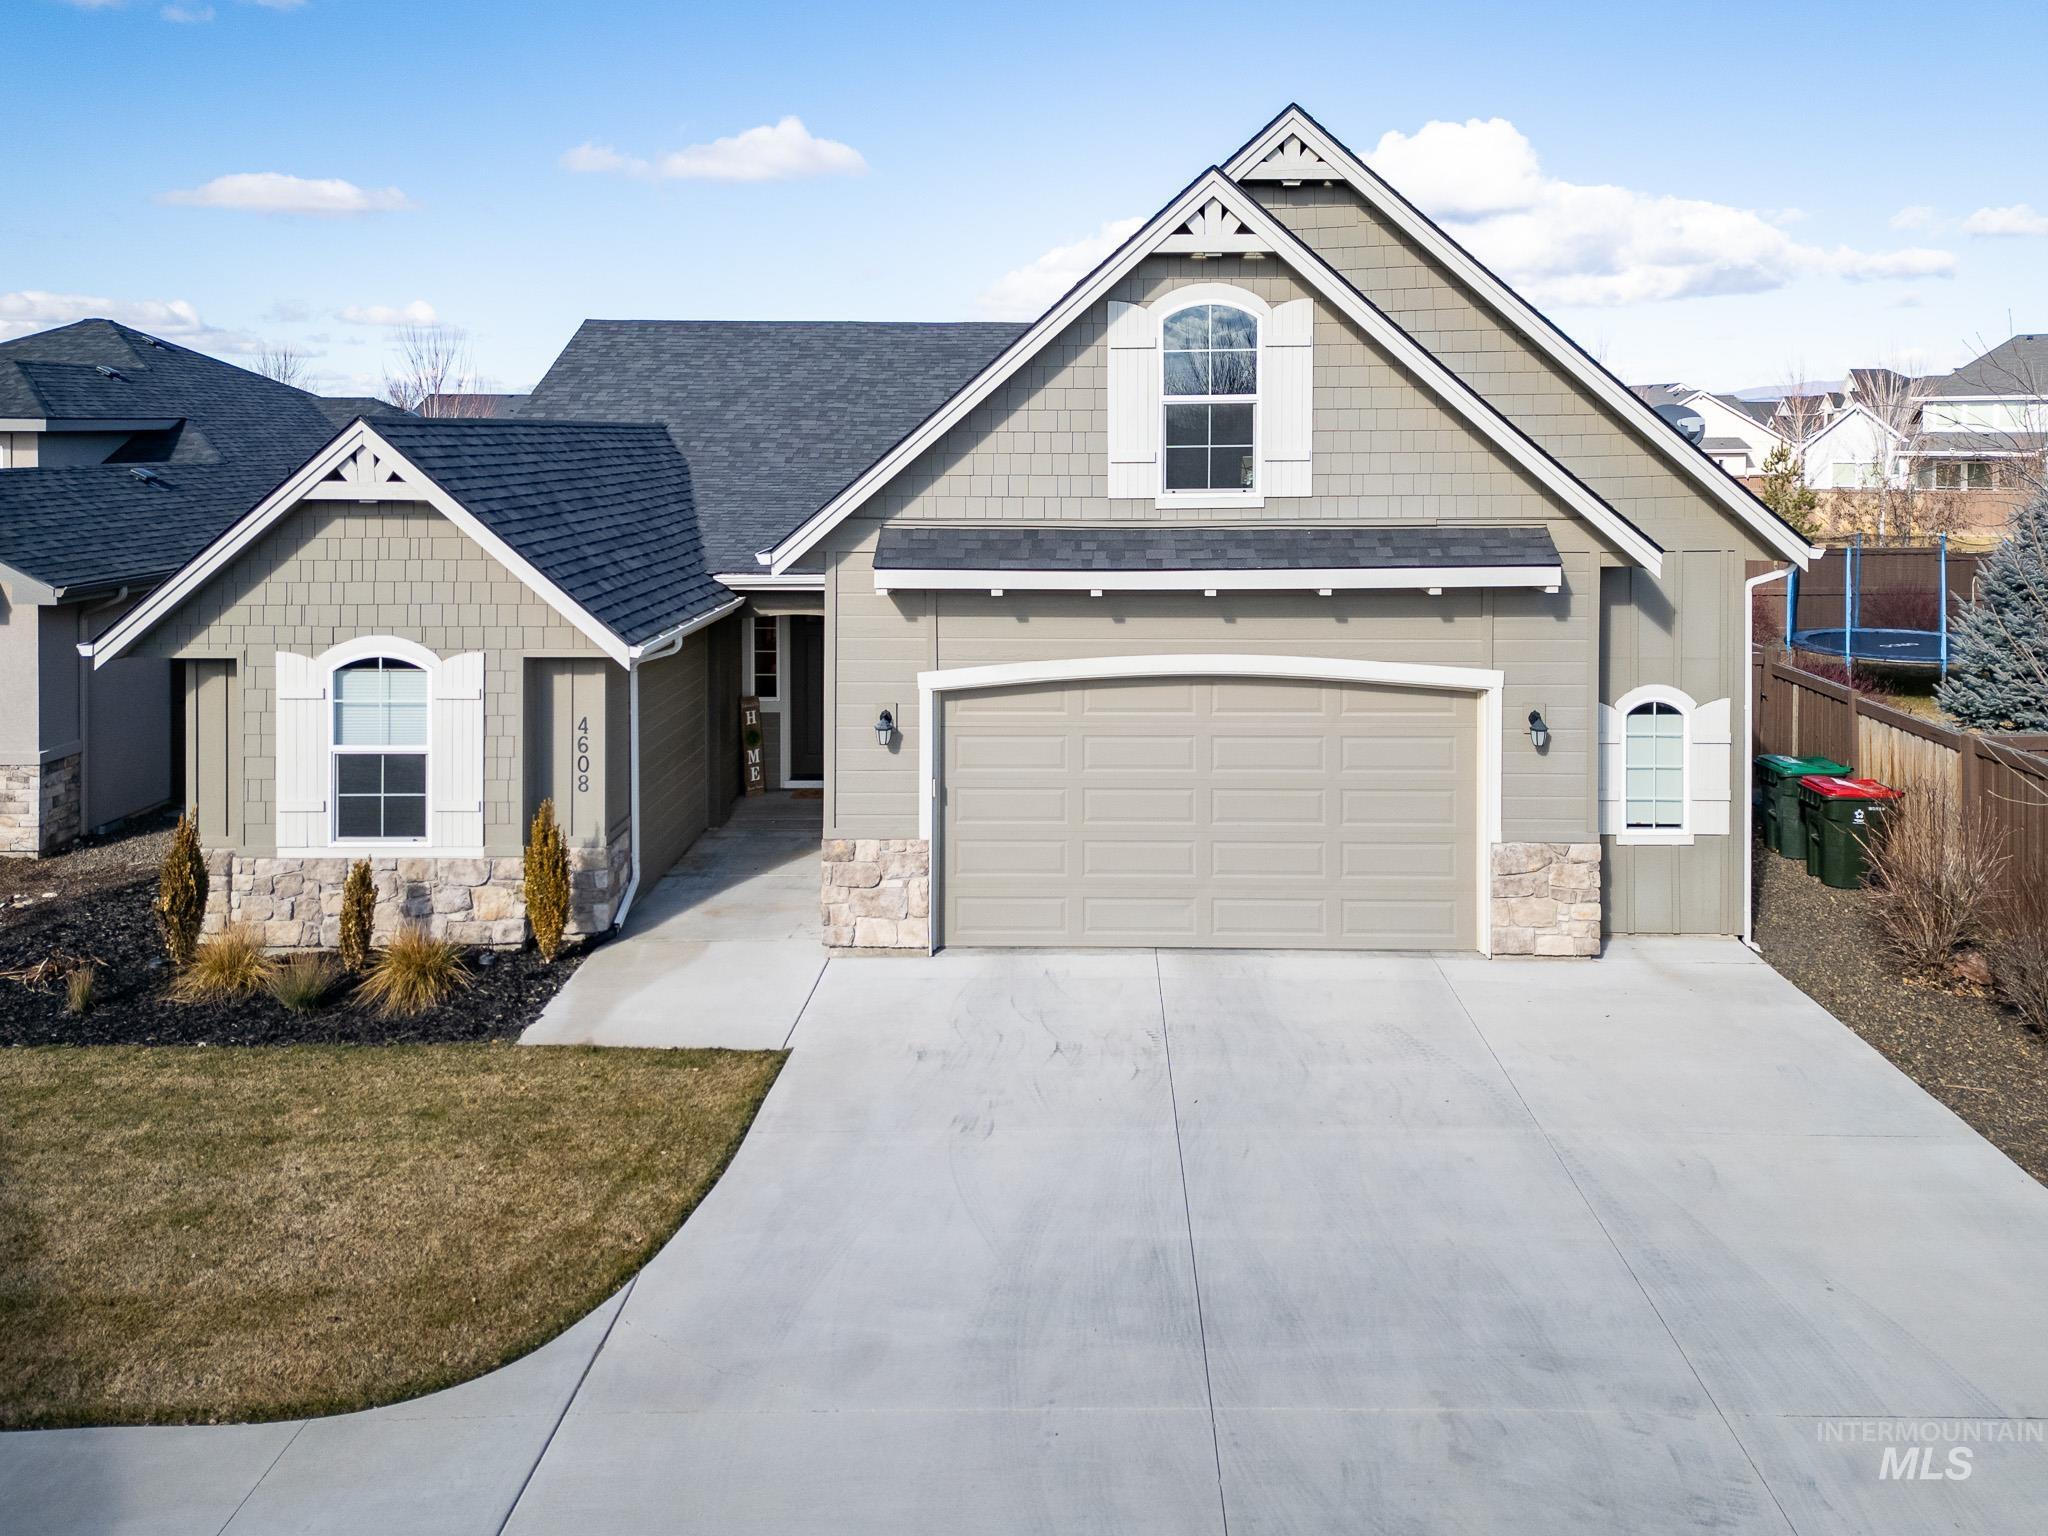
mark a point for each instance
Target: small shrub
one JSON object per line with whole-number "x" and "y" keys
{"x": 547, "y": 882}
{"x": 181, "y": 891}
{"x": 303, "y": 982}
{"x": 2017, "y": 946}
{"x": 358, "y": 913}
{"x": 78, "y": 988}
{"x": 230, "y": 964}
{"x": 1934, "y": 868}
{"x": 413, "y": 973}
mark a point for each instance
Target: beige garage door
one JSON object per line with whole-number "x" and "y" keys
{"x": 1244, "y": 813}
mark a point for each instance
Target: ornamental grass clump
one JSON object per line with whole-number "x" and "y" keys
{"x": 79, "y": 983}
{"x": 1934, "y": 869}
{"x": 547, "y": 882}
{"x": 358, "y": 915}
{"x": 2017, "y": 947}
{"x": 413, "y": 973}
{"x": 231, "y": 964}
{"x": 181, "y": 892}
{"x": 303, "y": 982}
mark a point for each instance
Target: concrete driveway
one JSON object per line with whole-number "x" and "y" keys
{"x": 1152, "y": 1242}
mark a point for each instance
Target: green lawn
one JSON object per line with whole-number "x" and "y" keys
{"x": 203, "y": 1235}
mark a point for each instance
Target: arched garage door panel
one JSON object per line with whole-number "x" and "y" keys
{"x": 1234, "y": 812}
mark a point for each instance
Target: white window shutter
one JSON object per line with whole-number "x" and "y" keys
{"x": 1288, "y": 396}
{"x": 1707, "y": 778}
{"x": 455, "y": 754}
{"x": 1611, "y": 776}
{"x": 301, "y": 753}
{"x": 1133, "y": 405}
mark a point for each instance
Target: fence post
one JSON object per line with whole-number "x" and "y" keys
{"x": 1967, "y": 774}
{"x": 1854, "y": 747}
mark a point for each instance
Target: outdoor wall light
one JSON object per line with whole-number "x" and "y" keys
{"x": 885, "y": 727}
{"x": 1539, "y": 733}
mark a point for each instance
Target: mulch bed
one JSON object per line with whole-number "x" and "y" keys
{"x": 1970, "y": 1052}
{"x": 96, "y": 901}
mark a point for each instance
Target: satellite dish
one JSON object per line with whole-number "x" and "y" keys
{"x": 1686, "y": 419}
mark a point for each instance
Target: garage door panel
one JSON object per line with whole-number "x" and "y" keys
{"x": 1234, "y": 812}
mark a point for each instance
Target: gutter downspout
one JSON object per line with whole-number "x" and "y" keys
{"x": 1748, "y": 750}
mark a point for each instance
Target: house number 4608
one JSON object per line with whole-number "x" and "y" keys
{"x": 583, "y": 756}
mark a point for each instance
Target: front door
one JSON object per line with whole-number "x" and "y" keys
{"x": 806, "y": 719}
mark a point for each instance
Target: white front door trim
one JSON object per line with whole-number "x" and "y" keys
{"x": 1484, "y": 682}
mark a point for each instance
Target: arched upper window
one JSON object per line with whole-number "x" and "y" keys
{"x": 1210, "y": 390}
{"x": 1653, "y": 746}
{"x": 380, "y": 749}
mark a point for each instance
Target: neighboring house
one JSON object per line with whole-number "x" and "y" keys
{"x": 1291, "y": 582}
{"x": 1985, "y": 426}
{"x": 121, "y": 456}
{"x": 1855, "y": 451}
{"x": 1736, "y": 434}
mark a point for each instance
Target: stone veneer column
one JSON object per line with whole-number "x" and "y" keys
{"x": 1546, "y": 898}
{"x": 39, "y": 809}
{"x": 876, "y": 893}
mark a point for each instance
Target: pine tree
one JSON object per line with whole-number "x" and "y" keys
{"x": 1786, "y": 492}
{"x": 1998, "y": 644}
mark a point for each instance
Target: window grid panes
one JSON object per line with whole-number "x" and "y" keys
{"x": 765, "y": 674}
{"x": 1654, "y": 768}
{"x": 1211, "y": 360}
{"x": 379, "y": 704}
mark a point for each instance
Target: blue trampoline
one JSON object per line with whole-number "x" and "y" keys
{"x": 1855, "y": 642}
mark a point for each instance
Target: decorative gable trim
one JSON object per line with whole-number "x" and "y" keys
{"x": 1291, "y": 162}
{"x": 1296, "y": 125}
{"x": 1214, "y": 186}
{"x": 1214, "y": 231}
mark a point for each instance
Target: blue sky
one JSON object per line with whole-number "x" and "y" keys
{"x": 1723, "y": 196}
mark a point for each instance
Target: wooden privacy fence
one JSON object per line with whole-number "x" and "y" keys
{"x": 1803, "y": 715}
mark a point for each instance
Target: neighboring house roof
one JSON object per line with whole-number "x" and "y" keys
{"x": 774, "y": 417}
{"x": 1724, "y": 445}
{"x": 919, "y": 546}
{"x": 1214, "y": 198}
{"x": 1876, "y": 381}
{"x": 2016, "y": 367}
{"x": 1654, "y": 395}
{"x": 1935, "y": 445}
{"x": 1758, "y": 411}
{"x": 1846, "y": 418}
{"x": 98, "y": 526}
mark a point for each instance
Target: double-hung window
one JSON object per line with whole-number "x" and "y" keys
{"x": 1210, "y": 393}
{"x": 380, "y": 751}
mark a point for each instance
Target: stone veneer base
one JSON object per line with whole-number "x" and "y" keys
{"x": 876, "y": 893}
{"x": 39, "y": 805}
{"x": 1546, "y": 898}
{"x": 296, "y": 901}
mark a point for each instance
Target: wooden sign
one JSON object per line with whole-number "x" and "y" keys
{"x": 753, "y": 746}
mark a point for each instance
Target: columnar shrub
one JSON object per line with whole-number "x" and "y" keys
{"x": 547, "y": 881}
{"x": 358, "y": 913}
{"x": 181, "y": 892}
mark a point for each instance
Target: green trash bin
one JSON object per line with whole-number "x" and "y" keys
{"x": 1840, "y": 814}
{"x": 1778, "y": 779}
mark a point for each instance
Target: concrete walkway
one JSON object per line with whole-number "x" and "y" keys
{"x": 724, "y": 951}
{"x": 1173, "y": 1242}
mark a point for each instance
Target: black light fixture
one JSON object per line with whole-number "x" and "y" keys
{"x": 1539, "y": 733}
{"x": 885, "y": 727}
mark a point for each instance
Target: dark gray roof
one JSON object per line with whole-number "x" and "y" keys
{"x": 1936, "y": 443}
{"x": 97, "y": 526}
{"x": 1759, "y": 411}
{"x": 2016, "y": 366}
{"x": 911, "y": 546}
{"x": 1724, "y": 445}
{"x": 775, "y": 417}
{"x": 603, "y": 510}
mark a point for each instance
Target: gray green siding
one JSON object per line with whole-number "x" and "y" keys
{"x": 675, "y": 784}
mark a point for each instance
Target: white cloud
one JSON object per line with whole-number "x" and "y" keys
{"x": 275, "y": 192}
{"x": 1566, "y": 243}
{"x": 1028, "y": 291}
{"x": 30, "y": 310}
{"x": 2013, "y": 219}
{"x": 277, "y": 5}
{"x": 1915, "y": 216}
{"x": 418, "y": 312}
{"x": 784, "y": 152}
{"x": 187, "y": 13}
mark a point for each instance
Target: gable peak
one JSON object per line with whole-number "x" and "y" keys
{"x": 1291, "y": 162}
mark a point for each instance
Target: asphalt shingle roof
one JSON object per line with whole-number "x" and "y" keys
{"x": 2016, "y": 366}
{"x": 774, "y": 417}
{"x": 99, "y": 525}
{"x": 603, "y": 510}
{"x": 910, "y": 546}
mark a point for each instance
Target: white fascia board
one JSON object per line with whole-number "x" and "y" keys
{"x": 653, "y": 650}
{"x": 768, "y": 581}
{"x": 1524, "y": 317}
{"x": 1349, "y": 578}
{"x": 1397, "y": 343}
{"x": 22, "y": 424}
{"x": 259, "y": 520}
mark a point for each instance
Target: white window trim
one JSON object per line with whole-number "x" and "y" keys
{"x": 330, "y": 662}
{"x": 768, "y": 701}
{"x": 1654, "y": 693}
{"x": 1164, "y": 308}
{"x": 1484, "y": 682}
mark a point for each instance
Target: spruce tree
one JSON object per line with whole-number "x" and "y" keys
{"x": 1998, "y": 643}
{"x": 1785, "y": 491}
